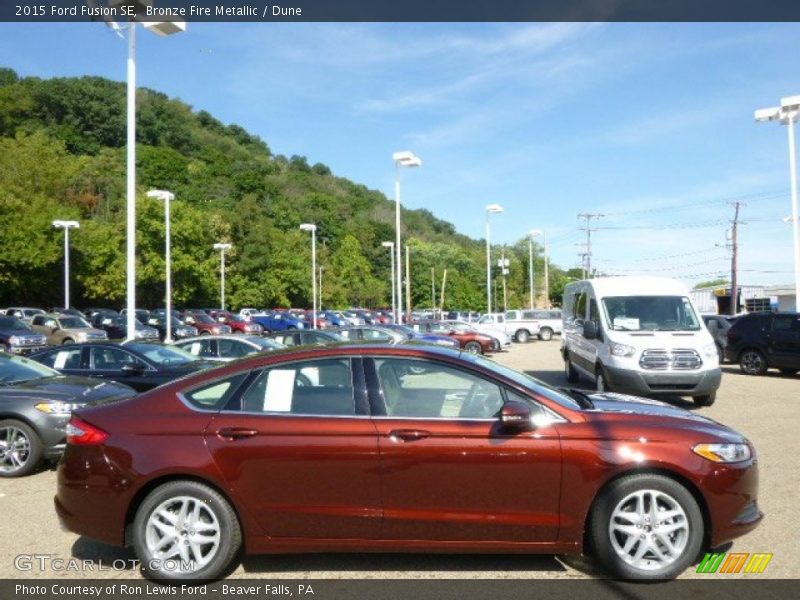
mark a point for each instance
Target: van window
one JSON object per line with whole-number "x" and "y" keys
{"x": 594, "y": 314}
{"x": 580, "y": 307}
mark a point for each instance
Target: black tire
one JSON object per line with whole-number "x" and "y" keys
{"x": 600, "y": 380}
{"x": 788, "y": 371}
{"x": 545, "y": 334}
{"x": 570, "y": 371}
{"x": 205, "y": 332}
{"x": 720, "y": 354}
{"x": 29, "y": 454}
{"x": 522, "y": 336}
{"x": 705, "y": 400}
{"x": 605, "y": 548}
{"x": 473, "y": 348}
{"x": 67, "y": 341}
{"x": 752, "y": 362}
{"x": 230, "y": 532}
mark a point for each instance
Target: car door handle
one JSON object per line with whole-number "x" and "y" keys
{"x": 236, "y": 433}
{"x": 408, "y": 435}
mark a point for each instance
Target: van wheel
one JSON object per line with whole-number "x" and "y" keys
{"x": 600, "y": 380}
{"x": 522, "y": 336}
{"x": 706, "y": 400}
{"x": 569, "y": 371}
{"x": 545, "y": 334}
{"x": 186, "y": 530}
{"x": 646, "y": 527}
{"x": 752, "y": 362}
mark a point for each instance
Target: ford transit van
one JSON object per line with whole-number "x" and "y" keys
{"x": 638, "y": 335}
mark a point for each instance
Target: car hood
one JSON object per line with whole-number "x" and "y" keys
{"x": 67, "y": 388}
{"x": 633, "y": 408}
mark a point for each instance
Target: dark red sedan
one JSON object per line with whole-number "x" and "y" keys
{"x": 400, "y": 448}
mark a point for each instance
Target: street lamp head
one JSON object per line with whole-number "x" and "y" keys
{"x": 387, "y": 244}
{"x": 161, "y": 195}
{"x": 790, "y": 103}
{"x": 762, "y": 115}
{"x": 165, "y": 28}
{"x": 406, "y": 158}
{"x": 494, "y": 209}
{"x": 308, "y": 227}
{"x": 222, "y": 247}
{"x": 65, "y": 224}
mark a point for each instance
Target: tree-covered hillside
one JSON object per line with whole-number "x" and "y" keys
{"x": 62, "y": 156}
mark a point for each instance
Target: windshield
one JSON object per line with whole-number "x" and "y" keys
{"x": 13, "y": 324}
{"x": 535, "y": 385}
{"x": 650, "y": 313}
{"x": 163, "y": 355}
{"x": 14, "y": 368}
{"x": 266, "y": 343}
{"x": 73, "y": 323}
{"x": 202, "y": 318}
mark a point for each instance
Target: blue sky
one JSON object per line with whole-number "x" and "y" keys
{"x": 651, "y": 124}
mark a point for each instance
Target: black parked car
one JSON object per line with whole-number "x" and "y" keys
{"x": 718, "y": 326}
{"x": 140, "y": 365}
{"x": 116, "y": 327}
{"x": 765, "y": 340}
{"x": 36, "y": 403}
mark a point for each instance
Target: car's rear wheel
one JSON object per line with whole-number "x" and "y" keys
{"x": 522, "y": 336}
{"x": 752, "y": 362}
{"x": 473, "y": 348}
{"x": 646, "y": 526}
{"x": 570, "y": 371}
{"x": 21, "y": 449}
{"x": 186, "y": 530}
{"x": 545, "y": 334}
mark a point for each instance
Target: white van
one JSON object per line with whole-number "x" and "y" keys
{"x": 638, "y": 335}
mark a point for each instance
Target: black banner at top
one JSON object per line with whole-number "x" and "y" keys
{"x": 402, "y": 11}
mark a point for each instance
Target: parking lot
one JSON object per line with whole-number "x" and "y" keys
{"x": 763, "y": 408}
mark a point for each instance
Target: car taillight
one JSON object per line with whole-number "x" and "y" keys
{"x": 81, "y": 433}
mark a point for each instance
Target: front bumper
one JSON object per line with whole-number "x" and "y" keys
{"x": 22, "y": 350}
{"x": 671, "y": 383}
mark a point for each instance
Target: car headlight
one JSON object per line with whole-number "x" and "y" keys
{"x": 301, "y": 326}
{"x": 57, "y": 408}
{"x": 620, "y": 349}
{"x": 13, "y": 340}
{"x": 723, "y": 453}
{"x": 80, "y": 336}
{"x": 710, "y": 350}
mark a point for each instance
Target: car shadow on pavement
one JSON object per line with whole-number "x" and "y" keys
{"x": 111, "y": 557}
{"x": 558, "y": 379}
{"x": 400, "y": 563}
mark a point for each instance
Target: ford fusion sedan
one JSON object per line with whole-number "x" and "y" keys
{"x": 35, "y": 406}
{"x": 140, "y": 365}
{"x": 227, "y": 347}
{"x": 393, "y": 447}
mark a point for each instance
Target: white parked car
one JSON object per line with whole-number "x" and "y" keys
{"x": 522, "y": 324}
{"x": 638, "y": 335}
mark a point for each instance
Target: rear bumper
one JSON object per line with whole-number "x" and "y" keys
{"x": 675, "y": 383}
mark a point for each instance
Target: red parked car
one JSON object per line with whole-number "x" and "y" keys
{"x": 472, "y": 341}
{"x": 237, "y": 323}
{"x": 400, "y": 448}
{"x": 204, "y": 324}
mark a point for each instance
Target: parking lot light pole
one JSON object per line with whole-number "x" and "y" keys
{"x": 66, "y": 226}
{"x": 787, "y": 114}
{"x": 491, "y": 209}
{"x": 401, "y": 159}
{"x": 161, "y": 29}
{"x": 167, "y": 197}
{"x": 313, "y": 229}
{"x": 390, "y": 245}
{"x": 532, "y": 234}
{"x": 222, "y": 249}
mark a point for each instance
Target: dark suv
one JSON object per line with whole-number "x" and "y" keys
{"x": 765, "y": 340}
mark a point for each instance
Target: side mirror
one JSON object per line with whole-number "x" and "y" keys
{"x": 516, "y": 416}
{"x": 133, "y": 368}
{"x": 590, "y": 330}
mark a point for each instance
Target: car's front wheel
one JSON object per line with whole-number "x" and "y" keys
{"x": 646, "y": 526}
{"x": 706, "y": 399}
{"x": 545, "y": 334}
{"x": 752, "y": 362}
{"x": 186, "y": 530}
{"x": 570, "y": 371}
{"x": 473, "y": 348}
{"x": 21, "y": 449}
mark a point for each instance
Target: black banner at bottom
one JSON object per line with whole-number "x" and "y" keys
{"x": 396, "y": 589}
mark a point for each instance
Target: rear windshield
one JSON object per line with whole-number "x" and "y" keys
{"x": 13, "y": 324}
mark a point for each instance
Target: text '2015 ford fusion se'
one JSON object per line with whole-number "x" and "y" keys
{"x": 400, "y": 448}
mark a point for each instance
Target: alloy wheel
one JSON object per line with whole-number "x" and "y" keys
{"x": 752, "y": 363}
{"x": 649, "y": 530}
{"x": 15, "y": 449}
{"x": 185, "y": 530}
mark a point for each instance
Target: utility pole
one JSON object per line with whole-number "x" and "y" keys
{"x": 735, "y": 259}
{"x": 587, "y": 254}
{"x": 503, "y": 264}
{"x": 546, "y": 276}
